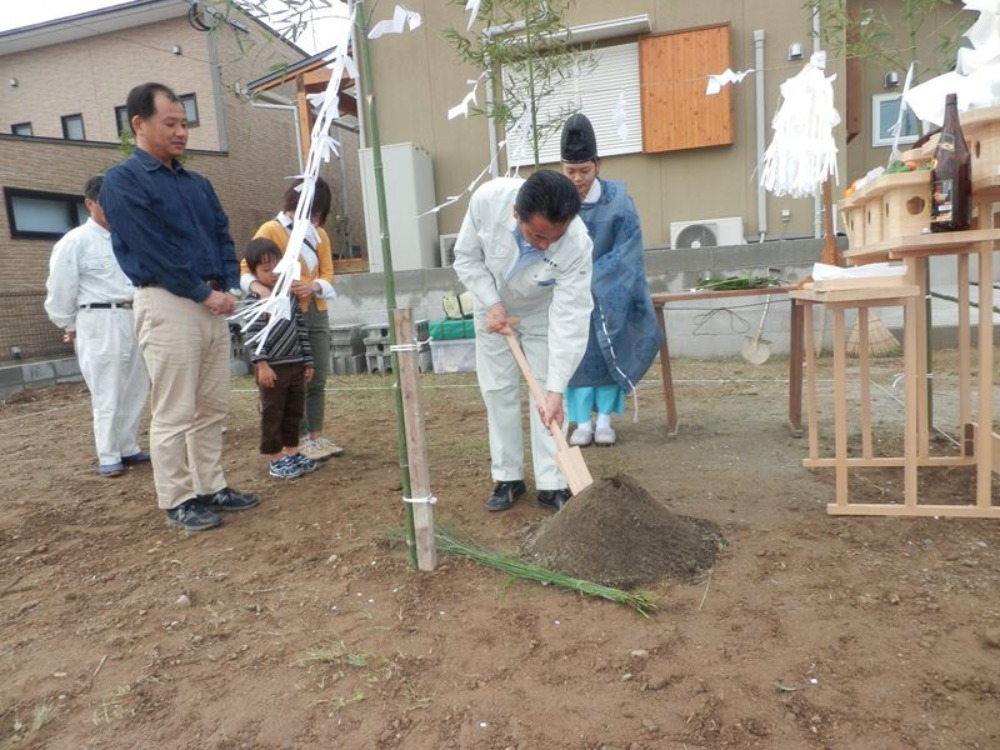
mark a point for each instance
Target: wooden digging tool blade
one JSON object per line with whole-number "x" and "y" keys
{"x": 569, "y": 460}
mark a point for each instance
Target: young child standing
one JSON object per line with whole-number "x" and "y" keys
{"x": 284, "y": 365}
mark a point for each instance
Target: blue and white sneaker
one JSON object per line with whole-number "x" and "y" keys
{"x": 285, "y": 467}
{"x": 304, "y": 462}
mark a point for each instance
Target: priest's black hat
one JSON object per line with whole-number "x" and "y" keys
{"x": 579, "y": 144}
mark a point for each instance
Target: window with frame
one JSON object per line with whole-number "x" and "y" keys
{"x": 645, "y": 97}
{"x": 603, "y": 84}
{"x": 72, "y": 127}
{"x": 22, "y": 128}
{"x": 33, "y": 214}
{"x": 885, "y": 115}
{"x": 190, "y": 102}
{"x": 121, "y": 120}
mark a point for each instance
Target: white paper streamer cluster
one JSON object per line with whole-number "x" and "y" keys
{"x": 323, "y": 147}
{"x": 976, "y": 78}
{"x": 803, "y": 152}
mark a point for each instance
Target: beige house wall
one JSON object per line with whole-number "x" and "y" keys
{"x": 260, "y": 144}
{"x": 92, "y": 77}
{"x": 418, "y": 78}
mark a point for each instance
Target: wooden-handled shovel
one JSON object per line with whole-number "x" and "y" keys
{"x": 569, "y": 460}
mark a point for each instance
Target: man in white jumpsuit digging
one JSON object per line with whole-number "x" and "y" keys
{"x": 91, "y": 300}
{"x": 525, "y": 256}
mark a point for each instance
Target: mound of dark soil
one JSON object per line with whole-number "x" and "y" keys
{"x": 615, "y": 533}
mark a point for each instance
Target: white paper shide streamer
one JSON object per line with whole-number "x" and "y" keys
{"x": 322, "y": 149}
{"x": 976, "y": 78}
{"x": 803, "y": 152}
{"x": 726, "y": 77}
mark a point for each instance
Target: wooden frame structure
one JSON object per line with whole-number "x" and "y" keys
{"x": 979, "y": 447}
{"x": 838, "y": 301}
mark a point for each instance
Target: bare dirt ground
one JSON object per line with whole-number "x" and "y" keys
{"x": 298, "y": 625}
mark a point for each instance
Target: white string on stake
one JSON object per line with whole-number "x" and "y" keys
{"x": 426, "y": 500}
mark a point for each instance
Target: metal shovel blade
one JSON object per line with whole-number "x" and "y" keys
{"x": 756, "y": 350}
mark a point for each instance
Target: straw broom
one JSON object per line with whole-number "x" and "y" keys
{"x": 881, "y": 341}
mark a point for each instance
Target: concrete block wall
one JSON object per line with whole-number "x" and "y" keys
{"x": 21, "y": 376}
{"x": 362, "y": 296}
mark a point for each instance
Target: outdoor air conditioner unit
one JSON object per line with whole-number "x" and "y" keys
{"x": 447, "y": 243}
{"x": 707, "y": 233}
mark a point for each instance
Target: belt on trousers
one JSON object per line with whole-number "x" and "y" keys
{"x": 107, "y": 306}
{"x": 212, "y": 283}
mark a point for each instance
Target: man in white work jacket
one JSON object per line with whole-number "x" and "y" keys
{"x": 525, "y": 256}
{"x": 91, "y": 300}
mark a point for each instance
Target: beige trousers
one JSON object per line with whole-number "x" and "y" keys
{"x": 186, "y": 349}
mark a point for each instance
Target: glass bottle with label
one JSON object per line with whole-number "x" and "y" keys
{"x": 951, "y": 178}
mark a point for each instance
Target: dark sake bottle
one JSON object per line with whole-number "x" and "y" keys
{"x": 951, "y": 178}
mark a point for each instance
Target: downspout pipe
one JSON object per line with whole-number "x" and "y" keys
{"x": 818, "y": 197}
{"x": 218, "y": 100}
{"x": 761, "y": 120}
{"x": 491, "y": 126}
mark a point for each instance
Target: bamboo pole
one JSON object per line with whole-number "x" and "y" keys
{"x": 421, "y": 501}
{"x": 371, "y": 121}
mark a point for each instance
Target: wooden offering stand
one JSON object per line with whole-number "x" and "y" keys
{"x": 884, "y": 223}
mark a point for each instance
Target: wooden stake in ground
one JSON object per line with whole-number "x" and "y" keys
{"x": 413, "y": 414}
{"x": 569, "y": 460}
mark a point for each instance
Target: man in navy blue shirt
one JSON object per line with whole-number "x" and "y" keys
{"x": 171, "y": 238}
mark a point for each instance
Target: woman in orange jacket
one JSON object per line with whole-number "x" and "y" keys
{"x": 314, "y": 290}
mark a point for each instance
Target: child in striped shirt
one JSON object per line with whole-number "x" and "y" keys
{"x": 284, "y": 365}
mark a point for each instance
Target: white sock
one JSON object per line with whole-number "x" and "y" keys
{"x": 603, "y": 421}
{"x": 585, "y": 427}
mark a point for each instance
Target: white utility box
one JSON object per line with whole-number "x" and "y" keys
{"x": 453, "y": 355}
{"x": 408, "y": 176}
